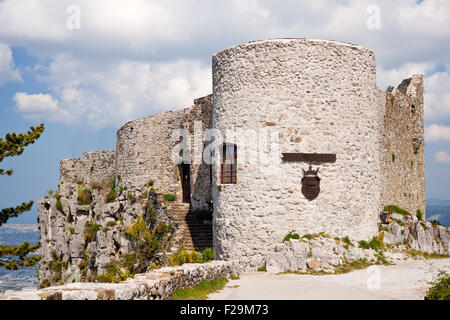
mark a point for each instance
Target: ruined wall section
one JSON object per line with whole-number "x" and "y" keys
{"x": 403, "y": 149}
{"x": 98, "y": 166}
{"x": 144, "y": 150}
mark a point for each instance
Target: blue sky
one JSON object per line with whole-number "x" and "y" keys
{"x": 84, "y": 67}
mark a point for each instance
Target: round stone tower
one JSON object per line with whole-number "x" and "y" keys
{"x": 319, "y": 103}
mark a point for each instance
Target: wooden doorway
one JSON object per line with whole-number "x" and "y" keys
{"x": 186, "y": 182}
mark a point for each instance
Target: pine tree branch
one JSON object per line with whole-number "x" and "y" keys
{"x": 7, "y": 213}
{"x": 16, "y": 256}
{"x": 14, "y": 144}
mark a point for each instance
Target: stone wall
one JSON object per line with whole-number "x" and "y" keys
{"x": 403, "y": 149}
{"x": 92, "y": 166}
{"x": 144, "y": 150}
{"x": 155, "y": 285}
{"x": 318, "y": 97}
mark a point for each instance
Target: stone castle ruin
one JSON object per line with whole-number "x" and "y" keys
{"x": 344, "y": 150}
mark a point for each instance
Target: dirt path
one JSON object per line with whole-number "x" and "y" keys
{"x": 404, "y": 280}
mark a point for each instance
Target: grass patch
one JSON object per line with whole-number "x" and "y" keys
{"x": 84, "y": 196}
{"x": 290, "y": 236}
{"x": 201, "y": 291}
{"x": 376, "y": 243}
{"x": 233, "y": 277}
{"x": 347, "y": 241}
{"x": 59, "y": 205}
{"x": 414, "y": 253}
{"x": 440, "y": 289}
{"x": 262, "y": 269}
{"x": 170, "y": 197}
{"x": 395, "y": 209}
{"x": 419, "y": 214}
{"x": 381, "y": 259}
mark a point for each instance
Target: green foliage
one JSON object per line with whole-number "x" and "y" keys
{"x": 59, "y": 205}
{"x": 84, "y": 196}
{"x": 182, "y": 256}
{"x": 203, "y": 214}
{"x": 7, "y": 213}
{"x": 381, "y": 259}
{"x": 150, "y": 183}
{"x": 290, "y": 236}
{"x": 307, "y": 236}
{"x": 14, "y": 144}
{"x": 262, "y": 269}
{"x": 146, "y": 243}
{"x": 399, "y": 222}
{"x": 440, "y": 289}
{"x": 45, "y": 283}
{"x": 71, "y": 230}
{"x": 375, "y": 243}
{"x": 18, "y": 256}
{"x": 14, "y": 257}
{"x": 208, "y": 254}
{"x": 419, "y": 214}
{"x": 56, "y": 265}
{"x": 151, "y": 214}
{"x": 395, "y": 209}
{"x": 169, "y": 197}
{"x": 234, "y": 277}
{"x": 201, "y": 291}
{"x": 91, "y": 230}
{"x": 347, "y": 241}
{"x": 435, "y": 222}
{"x": 114, "y": 273}
{"x": 219, "y": 187}
{"x": 111, "y": 196}
{"x": 131, "y": 197}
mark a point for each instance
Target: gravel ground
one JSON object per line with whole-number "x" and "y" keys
{"x": 406, "y": 280}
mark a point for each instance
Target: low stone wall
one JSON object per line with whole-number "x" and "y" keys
{"x": 155, "y": 285}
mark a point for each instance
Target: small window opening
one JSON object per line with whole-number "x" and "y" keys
{"x": 229, "y": 164}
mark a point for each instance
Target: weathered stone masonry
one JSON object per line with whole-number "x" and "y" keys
{"x": 315, "y": 96}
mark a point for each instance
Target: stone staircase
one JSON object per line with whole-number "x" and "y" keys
{"x": 193, "y": 233}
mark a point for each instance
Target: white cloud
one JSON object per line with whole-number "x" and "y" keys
{"x": 437, "y": 133}
{"x": 442, "y": 157}
{"x": 151, "y": 55}
{"x": 393, "y": 77}
{"x": 437, "y": 96}
{"x": 110, "y": 95}
{"x": 7, "y": 67}
{"x": 31, "y": 103}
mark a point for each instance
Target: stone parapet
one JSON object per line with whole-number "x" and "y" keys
{"x": 154, "y": 285}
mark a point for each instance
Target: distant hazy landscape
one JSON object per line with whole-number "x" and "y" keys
{"x": 439, "y": 210}
{"x": 15, "y": 235}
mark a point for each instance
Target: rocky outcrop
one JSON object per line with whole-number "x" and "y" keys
{"x": 417, "y": 234}
{"x": 79, "y": 241}
{"x": 155, "y": 285}
{"x": 320, "y": 252}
